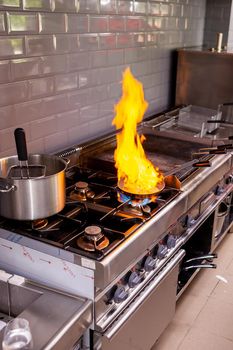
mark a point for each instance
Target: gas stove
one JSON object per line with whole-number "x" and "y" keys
{"x": 120, "y": 222}
{"x": 123, "y": 254}
{"x": 96, "y": 218}
{"x": 100, "y": 223}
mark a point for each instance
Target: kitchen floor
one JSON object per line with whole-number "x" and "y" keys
{"x": 204, "y": 313}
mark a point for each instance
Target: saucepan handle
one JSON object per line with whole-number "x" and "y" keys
{"x": 21, "y": 146}
{"x": 6, "y": 186}
{"x": 67, "y": 160}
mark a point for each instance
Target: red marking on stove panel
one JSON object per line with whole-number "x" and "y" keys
{"x": 47, "y": 261}
{"x": 172, "y": 226}
{"x": 68, "y": 270}
{"x": 27, "y": 254}
{"x": 91, "y": 277}
{"x": 6, "y": 246}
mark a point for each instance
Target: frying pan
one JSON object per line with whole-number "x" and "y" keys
{"x": 170, "y": 180}
{"x": 149, "y": 195}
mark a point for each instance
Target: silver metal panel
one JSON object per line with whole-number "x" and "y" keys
{"x": 34, "y": 264}
{"x": 151, "y": 231}
{"x": 127, "y": 253}
{"x": 207, "y": 178}
{"x": 204, "y": 78}
{"x": 155, "y": 306}
{"x": 56, "y": 320}
{"x": 101, "y": 308}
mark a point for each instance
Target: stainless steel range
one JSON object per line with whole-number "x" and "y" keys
{"x": 129, "y": 256}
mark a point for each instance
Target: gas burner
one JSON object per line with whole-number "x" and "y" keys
{"x": 134, "y": 206}
{"x": 124, "y": 198}
{"x": 93, "y": 239}
{"x": 39, "y": 224}
{"x": 82, "y": 192}
{"x": 137, "y": 209}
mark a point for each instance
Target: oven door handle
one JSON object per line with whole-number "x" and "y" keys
{"x": 158, "y": 279}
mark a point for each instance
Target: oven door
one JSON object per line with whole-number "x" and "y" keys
{"x": 142, "y": 322}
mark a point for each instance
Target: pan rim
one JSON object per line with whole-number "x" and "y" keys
{"x": 145, "y": 194}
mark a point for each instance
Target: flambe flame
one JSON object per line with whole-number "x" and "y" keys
{"x": 136, "y": 174}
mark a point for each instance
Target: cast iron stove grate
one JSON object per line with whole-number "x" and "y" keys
{"x": 103, "y": 209}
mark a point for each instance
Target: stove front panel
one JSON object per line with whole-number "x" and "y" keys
{"x": 46, "y": 269}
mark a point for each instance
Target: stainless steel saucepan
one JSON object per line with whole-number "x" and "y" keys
{"x": 31, "y": 198}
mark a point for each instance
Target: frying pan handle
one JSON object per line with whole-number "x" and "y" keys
{"x": 226, "y": 146}
{"x": 202, "y": 164}
{"x": 218, "y": 151}
{"x": 214, "y": 151}
{"x": 220, "y": 121}
{"x": 196, "y": 163}
{"x": 220, "y": 147}
{"x": 227, "y": 104}
{"x": 214, "y": 121}
{"x": 21, "y": 146}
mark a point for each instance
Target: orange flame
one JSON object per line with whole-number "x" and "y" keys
{"x": 135, "y": 172}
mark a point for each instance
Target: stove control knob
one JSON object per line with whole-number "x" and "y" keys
{"x": 171, "y": 241}
{"x": 229, "y": 180}
{"x": 149, "y": 264}
{"x": 219, "y": 190}
{"x": 120, "y": 294}
{"x": 162, "y": 251}
{"x": 134, "y": 279}
{"x": 189, "y": 221}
